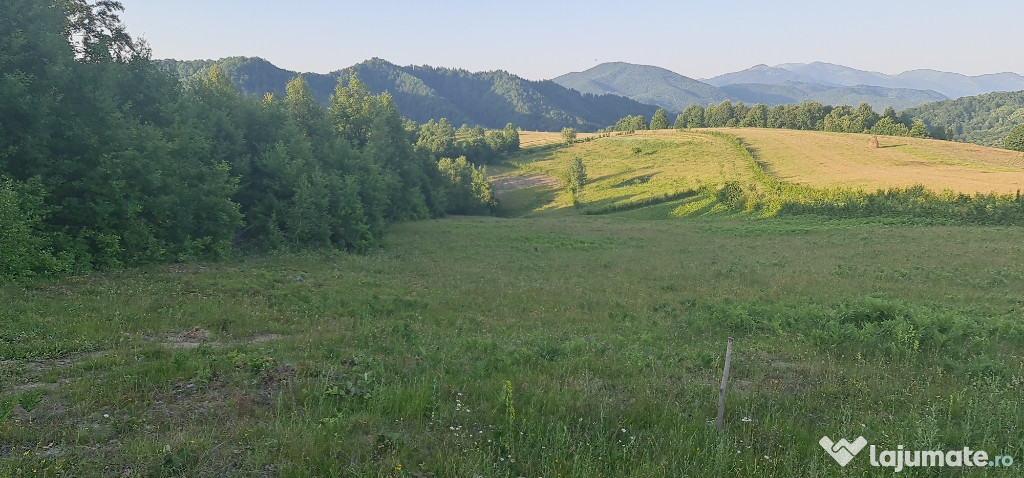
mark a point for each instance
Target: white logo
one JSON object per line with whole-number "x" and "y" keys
{"x": 900, "y": 458}
{"x": 842, "y": 451}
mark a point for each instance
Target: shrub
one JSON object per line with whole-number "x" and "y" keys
{"x": 24, "y": 249}
{"x": 732, "y": 195}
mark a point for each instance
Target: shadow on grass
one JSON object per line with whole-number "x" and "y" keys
{"x": 522, "y": 201}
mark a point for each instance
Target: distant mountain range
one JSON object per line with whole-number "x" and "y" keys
{"x": 784, "y": 84}
{"x": 490, "y": 99}
{"x": 952, "y": 85}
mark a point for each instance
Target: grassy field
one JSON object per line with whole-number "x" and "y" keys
{"x": 554, "y": 344}
{"x": 626, "y": 169}
{"x": 679, "y": 172}
{"x": 818, "y": 159}
{"x": 579, "y": 346}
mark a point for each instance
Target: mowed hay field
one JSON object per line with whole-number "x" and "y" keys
{"x": 822, "y": 160}
{"x": 533, "y": 139}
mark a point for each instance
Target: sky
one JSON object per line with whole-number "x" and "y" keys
{"x": 543, "y": 39}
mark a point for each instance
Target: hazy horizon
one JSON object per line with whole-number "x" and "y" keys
{"x": 542, "y": 40}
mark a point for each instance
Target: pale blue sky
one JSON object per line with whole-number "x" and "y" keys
{"x": 544, "y": 39}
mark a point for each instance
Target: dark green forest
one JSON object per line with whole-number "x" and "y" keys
{"x": 983, "y": 119}
{"x": 107, "y": 161}
{"x": 422, "y": 93}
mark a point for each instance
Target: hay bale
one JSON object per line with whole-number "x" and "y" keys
{"x": 873, "y": 144}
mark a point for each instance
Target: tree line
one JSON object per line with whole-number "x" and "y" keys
{"x": 107, "y": 161}
{"x": 809, "y": 115}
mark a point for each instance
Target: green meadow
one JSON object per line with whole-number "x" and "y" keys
{"x": 545, "y": 343}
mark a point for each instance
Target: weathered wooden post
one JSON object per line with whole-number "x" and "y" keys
{"x": 721, "y": 389}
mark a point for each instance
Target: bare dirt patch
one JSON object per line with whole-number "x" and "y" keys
{"x": 197, "y": 336}
{"x": 187, "y": 340}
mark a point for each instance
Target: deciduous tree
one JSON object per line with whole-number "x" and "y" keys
{"x": 576, "y": 177}
{"x": 757, "y": 117}
{"x": 693, "y": 116}
{"x": 1015, "y": 140}
{"x": 468, "y": 190}
{"x": 659, "y": 120}
{"x": 886, "y": 126}
{"x": 437, "y": 137}
{"x": 718, "y": 116}
{"x": 569, "y": 135}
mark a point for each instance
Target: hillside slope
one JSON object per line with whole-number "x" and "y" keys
{"x": 650, "y": 168}
{"x": 490, "y": 99}
{"x": 792, "y": 92}
{"x": 952, "y": 85}
{"x": 760, "y": 74}
{"x": 770, "y": 86}
{"x": 983, "y": 119}
{"x": 648, "y": 84}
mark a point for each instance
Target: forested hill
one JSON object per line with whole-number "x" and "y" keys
{"x": 675, "y": 92}
{"x": 983, "y": 119}
{"x": 649, "y": 84}
{"x": 490, "y": 99}
{"x": 951, "y": 85}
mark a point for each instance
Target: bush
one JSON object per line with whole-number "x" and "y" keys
{"x": 732, "y": 195}
{"x": 24, "y": 250}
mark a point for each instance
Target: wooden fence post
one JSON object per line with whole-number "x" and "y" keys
{"x": 721, "y": 389}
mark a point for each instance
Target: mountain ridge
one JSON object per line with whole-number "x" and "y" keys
{"x": 952, "y": 85}
{"x": 674, "y": 92}
{"x": 490, "y": 99}
{"x": 645, "y": 83}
